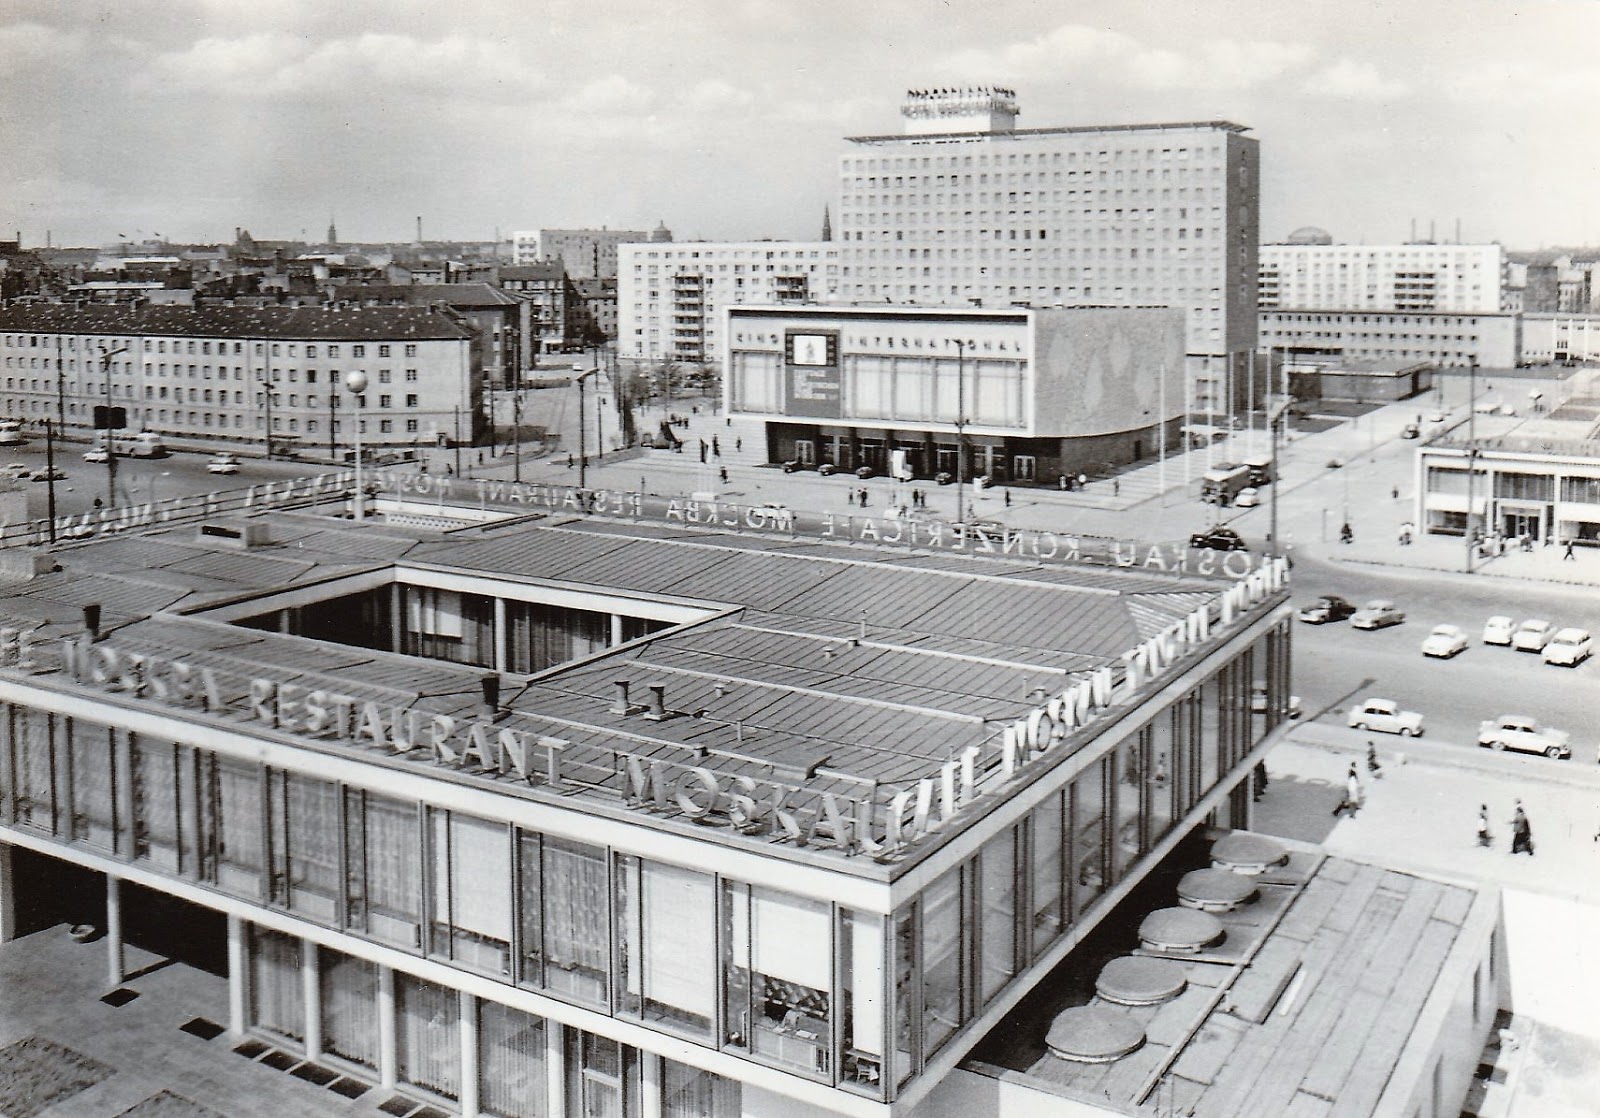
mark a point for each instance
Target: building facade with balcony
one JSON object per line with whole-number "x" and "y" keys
{"x": 671, "y": 296}
{"x": 202, "y": 374}
{"x": 965, "y": 207}
{"x": 609, "y": 813}
{"x": 1022, "y": 394}
{"x": 1455, "y": 279}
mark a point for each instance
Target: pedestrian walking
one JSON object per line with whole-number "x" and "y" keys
{"x": 1394, "y": 492}
{"x": 702, "y": 452}
{"x": 570, "y": 462}
{"x": 729, "y": 420}
{"x": 1373, "y": 768}
{"x": 1567, "y": 554}
{"x": 1345, "y": 534}
{"x": 1352, "y": 793}
{"x": 1063, "y": 483}
{"x": 738, "y": 443}
{"x": 1521, "y": 832}
{"x": 722, "y": 472}
{"x": 716, "y": 447}
{"x": 1116, "y": 487}
{"x": 1485, "y": 837}
{"x": 863, "y": 498}
{"x": 1008, "y": 498}
{"x": 1261, "y": 780}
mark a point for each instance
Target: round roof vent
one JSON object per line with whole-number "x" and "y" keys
{"x": 1214, "y": 890}
{"x": 1141, "y": 980}
{"x": 1179, "y": 930}
{"x": 1310, "y": 235}
{"x": 1092, "y": 1034}
{"x": 1243, "y": 852}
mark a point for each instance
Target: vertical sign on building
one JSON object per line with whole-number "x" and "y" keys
{"x": 811, "y": 374}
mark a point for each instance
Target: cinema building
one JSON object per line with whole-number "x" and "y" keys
{"x": 582, "y": 805}
{"x": 1020, "y": 395}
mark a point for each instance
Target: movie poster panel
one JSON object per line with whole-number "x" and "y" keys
{"x": 811, "y": 374}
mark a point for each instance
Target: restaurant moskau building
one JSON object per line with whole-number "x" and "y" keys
{"x": 562, "y": 813}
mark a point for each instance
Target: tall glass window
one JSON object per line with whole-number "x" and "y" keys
{"x": 94, "y": 814}
{"x": 907, "y": 996}
{"x": 941, "y": 960}
{"x": 349, "y": 1007}
{"x": 1088, "y": 836}
{"x": 471, "y": 861}
{"x": 305, "y": 844}
{"x": 383, "y": 887}
{"x": 1161, "y": 779}
{"x": 512, "y": 1079}
{"x": 1045, "y": 868}
{"x": 575, "y": 919}
{"x": 32, "y": 769}
{"x": 277, "y": 989}
{"x": 997, "y": 916}
{"x": 1132, "y": 769}
{"x": 602, "y": 1077}
{"x": 777, "y": 975}
{"x": 427, "y": 1035}
{"x": 666, "y": 935}
{"x": 155, "y": 803}
{"x": 862, "y": 1002}
{"x": 688, "y": 1092}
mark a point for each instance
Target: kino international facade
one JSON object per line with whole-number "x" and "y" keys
{"x": 555, "y": 813}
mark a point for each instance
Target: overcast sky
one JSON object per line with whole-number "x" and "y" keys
{"x": 726, "y": 118}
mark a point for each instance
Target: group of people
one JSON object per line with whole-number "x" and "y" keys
{"x": 1521, "y": 830}
{"x": 1354, "y": 793}
{"x": 1069, "y": 483}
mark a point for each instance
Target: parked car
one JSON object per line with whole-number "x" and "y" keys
{"x": 1525, "y": 735}
{"x": 16, "y": 471}
{"x": 1377, "y": 614}
{"x": 1329, "y": 607}
{"x": 1532, "y": 635}
{"x": 1445, "y": 641}
{"x": 48, "y": 473}
{"x": 794, "y": 465}
{"x": 1498, "y": 630}
{"x": 943, "y": 477}
{"x": 1248, "y": 498}
{"x": 1386, "y": 717}
{"x": 827, "y": 469}
{"x": 1410, "y": 431}
{"x": 1220, "y": 538}
{"x": 864, "y": 472}
{"x": 1258, "y": 701}
{"x": 1569, "y": 648}
{"x": 223, "y": 464}
{"x": 97, "y": 454}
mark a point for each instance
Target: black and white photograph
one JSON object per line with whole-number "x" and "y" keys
{"x": 732, "y": 559}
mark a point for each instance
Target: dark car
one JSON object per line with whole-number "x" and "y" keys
{"x": 794, "y": 465}
{"x": 1410, "y": 431}
{"x": 864, "y": 472}
{"x": 1329, "y": 607}
{"x": 944, "y": 477}
{"x": 827, "y": 469}
{"x": 1220, "y": 538}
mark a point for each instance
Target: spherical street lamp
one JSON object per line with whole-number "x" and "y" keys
{"x": 356, "y": 384}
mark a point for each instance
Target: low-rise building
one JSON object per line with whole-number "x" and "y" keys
{"x": 1446, "y": 340}
{"x": 1511, "y": 486}
{"x": 1561, "y": 338}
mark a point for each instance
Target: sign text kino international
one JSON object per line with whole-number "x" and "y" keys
{"x": 783, "y": 811}
{"x": 410, "y": 486}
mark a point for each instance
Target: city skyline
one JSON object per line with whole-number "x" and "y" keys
{"x": 187, "y": 120}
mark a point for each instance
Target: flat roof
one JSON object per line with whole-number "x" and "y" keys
{"x": 848, "y": 670}
{"x": 1311, "y": 996}
{"x": 1063, "y": 130}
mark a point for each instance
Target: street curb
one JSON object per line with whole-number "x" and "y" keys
{"x": 1470, "y": 758}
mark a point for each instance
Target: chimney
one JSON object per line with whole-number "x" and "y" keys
{"x": 490, "y": 683}
{"x": 658, "y": 703}
{"x": 91, "y": 620}
{"x": 621, "y": 705}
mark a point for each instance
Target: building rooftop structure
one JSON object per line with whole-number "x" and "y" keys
{"x": 355, "y": 323}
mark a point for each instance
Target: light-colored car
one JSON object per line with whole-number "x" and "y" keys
{"x": 1569, "y": 648}
{"x": 1258, "y": 701}
{"x": 16, "y": 471}
{"x": 223, "y": 464}
{"x": 1248, "y": 498}
{"x": 1525, "y": 735}
{"x": 1377, "y": 614}
{"x": 1498, "y": 630}
{"x": 47, "y": 473}
{"x": 1445, "y": 641}
{"x": 1532, "y": 635}
{"x": 1385, "y": 716}
{"x": 97, "y": 454}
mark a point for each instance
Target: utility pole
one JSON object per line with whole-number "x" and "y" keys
{"x": 583, "y": 423}
{"x": 1472, "y": 456}
{"x": 110, "y": 443}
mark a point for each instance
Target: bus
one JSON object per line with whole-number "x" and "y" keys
{"x": 1221, "y": 484}
{"x": 11, "y": 432}
{"x": 136, "y": 444}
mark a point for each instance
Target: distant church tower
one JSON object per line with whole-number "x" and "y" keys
{"x": 333, "y": 234}
{"x": 827, "y": 224}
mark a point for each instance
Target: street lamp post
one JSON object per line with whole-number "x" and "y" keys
{"x": 111, "y": 454}
{"x": 583, "y": 424}
{"x": 961, "y": 430}
{"x": 356, "y": 384}
{"x": 1472, "y": 455}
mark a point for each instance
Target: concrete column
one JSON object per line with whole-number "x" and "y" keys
{"x": 397, "y": 618}
{"x": 469, "y": 1055}
{"x": 616, "y": 629}
{"x": 649, "y": 1085}
{"x": 387, "y": 1075}
{"x": 116, "y": 967}
{"x": 238, "y": 973}
{"x": 8, "y": 895}
{"x": 555, "y": 1065}
{"x": 311, "y": 996}
{"x": 501, "y": 641}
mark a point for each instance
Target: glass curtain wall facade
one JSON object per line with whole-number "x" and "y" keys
{"x": 803, "y": 985}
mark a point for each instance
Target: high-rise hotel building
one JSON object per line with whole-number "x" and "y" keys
{"x": 964, "y": 207}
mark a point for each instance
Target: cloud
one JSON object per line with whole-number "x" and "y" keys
{"x": 1350, "y": 80}
{"x": 1076, "y": 53}
{"x": 280, "y": 66}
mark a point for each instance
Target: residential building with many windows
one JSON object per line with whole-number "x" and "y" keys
{"x": 1444, "y": 339}
{"x": 965, "y": 207}
{"x": 582, "y": 253}
{"x": 1420, "y": 277}
{"x": 202, "y": 374}
{"x": 671, "y": 296}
